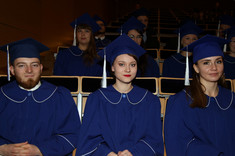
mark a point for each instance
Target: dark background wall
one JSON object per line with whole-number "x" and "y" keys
{"x": 48, "y": 20}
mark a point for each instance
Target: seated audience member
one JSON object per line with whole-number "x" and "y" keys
{"x": 229, "y": 57}
{"x": 149, "y": 34}
{"x": 100, "y": 39}
{"x": 199, "y": 120}
{"x": 122, "y": 119}
{"x": 37, "y": 117}
{"x": 174, "y": 66}
{"x": 148, "y": 67}
{"x": 225, "y": 22}
{"x": 80, "y": 60}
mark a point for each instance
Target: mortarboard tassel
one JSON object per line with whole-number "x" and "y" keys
{"x": 186, "y": 81}
{"x": 225, "y": 45}
{"x": 178, "y": 48}
{"x": 104, "y": 77}
{"x": 8, "y": 64}
{"x": 74, "y": 35}
{"x": 121, "y": 31}
{"x": 79, "y": 105}
{"x": 218, "y": 29}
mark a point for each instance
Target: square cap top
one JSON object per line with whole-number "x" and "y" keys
{"x": 132, "y": 23}
{"x": 207, "y": 46}
{"x": 86, "y": 19}
{"x": 189, "y": 27}
{"x": 121, "y": 45}
{"x": 28, "y": 47}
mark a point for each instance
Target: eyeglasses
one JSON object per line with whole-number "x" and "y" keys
{"x": 137, "y": 37}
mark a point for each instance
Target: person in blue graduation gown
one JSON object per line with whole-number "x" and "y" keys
{"x": 36, "y": 117}
{"x": 122, "y": 119}
{"x": 174, "y": 66}
{"x": 229, "y": 57}
{"x": 199, "y": 119}
{"x": 148, "y": 67}
{"x": 225, "y": 22}
{"x": 149, "y": 34}
{"x": 101, "y": 40}
{"x": 81, "y": 59}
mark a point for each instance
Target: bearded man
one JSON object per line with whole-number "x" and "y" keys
{"x": 36, "y": 117}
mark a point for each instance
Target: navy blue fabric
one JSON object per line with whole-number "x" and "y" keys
{"x": 46, "y": 117}
{"x": 200, "y": 131}
{"x": 229, "y": 67}
{"x": 69, "y": 62}
{"x": 115, "y": 122}
{"x": 152, "y": 68}
{"x": 27, "y": 47}
{"x": 175, "y": 65}
{"x": 102, "y": 43}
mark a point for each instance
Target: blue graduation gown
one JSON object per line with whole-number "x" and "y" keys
{"x": 212, "y": 128}
{"x": 46, "y": 117}
{"x": 102, "y": 43}
{"x": 115, "y": 122}
{"x": 229, "y": 67}
{"x": 175, "y": 65}
{"x": 152, "y": 68}
{"x": 69, "y": 62}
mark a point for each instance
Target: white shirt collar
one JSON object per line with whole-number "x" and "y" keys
{"x": 101, "y": 38}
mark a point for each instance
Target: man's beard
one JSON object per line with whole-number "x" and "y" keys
{"x": 29, "y": 84}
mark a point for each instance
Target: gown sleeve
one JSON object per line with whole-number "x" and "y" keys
{"x": 91, "y": 141}
{"x": 176, "y": 134}
{"x": 165, "y": 69}
{"x": 152, "y": 143}
{"x": 59, "y": 64}
{"x": 67, "y": 126}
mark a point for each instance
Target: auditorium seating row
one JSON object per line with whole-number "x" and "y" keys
{"x": 81, "y": 86}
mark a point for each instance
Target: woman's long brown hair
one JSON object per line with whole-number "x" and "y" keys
{"x": 90, "y": 53}
{"x": 196, "y": 88}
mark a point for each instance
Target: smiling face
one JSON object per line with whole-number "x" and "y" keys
{"x": 135, "y": 36}
{"x": 188, "y": 39}
{"x": 210, "y": 69}
{"x": 27, "y": 71}
{"x": 124, "y": 68}
{"x": 84, "y": 36}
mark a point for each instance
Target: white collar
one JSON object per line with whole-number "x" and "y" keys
{"x": 101, "y": 38}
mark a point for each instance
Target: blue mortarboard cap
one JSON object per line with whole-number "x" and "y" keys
{"x": 231, "y": 32}
{"x": 132, "y": 23}
{"x": 228, "y": 20}
{"x": 189, "y": 27}
{"x": 86, "y": 19}
{"x": 28, "y": 47}
{"x": 97, "y": 18}
{"x": 141, "y": 12}
{"x": 206, "y": 46}
{"x": 121, "y": 45}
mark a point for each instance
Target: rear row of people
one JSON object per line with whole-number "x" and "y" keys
{"x": 84, "y": 54}
{"x": 39, "y": 118}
